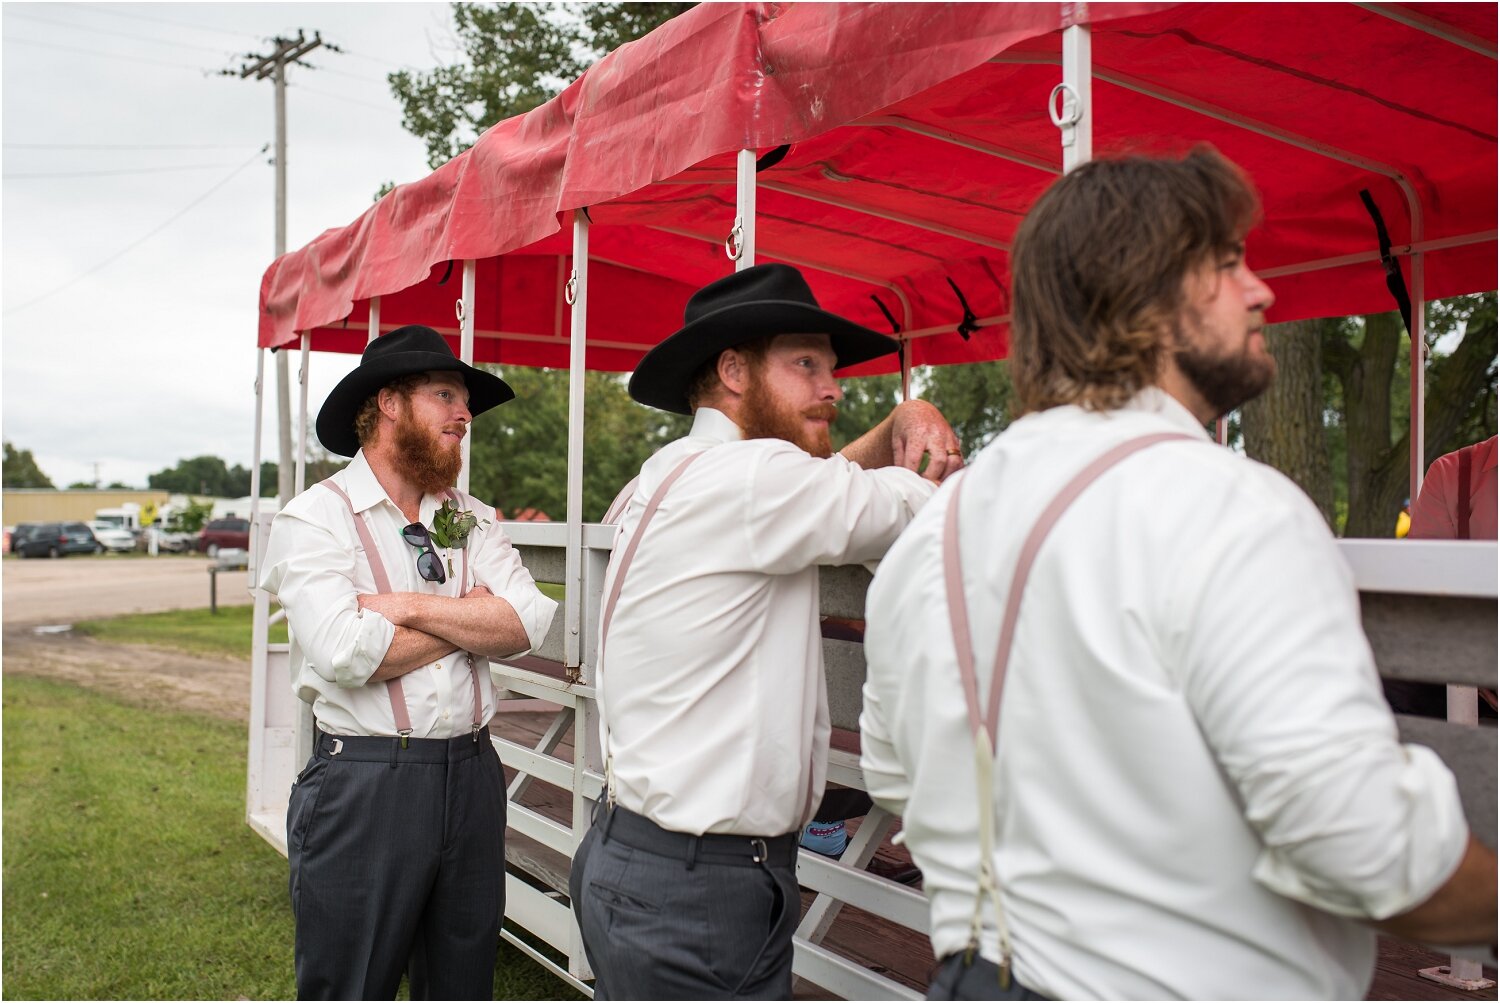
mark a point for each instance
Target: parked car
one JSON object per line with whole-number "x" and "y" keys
{"x": 23, "y": 532}
{"x": 222, "y": 534}
{"x": 58, "y": 539}
{"x": 113, "y": 538}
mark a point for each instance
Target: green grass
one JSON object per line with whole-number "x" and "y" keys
{"x": 129, "y": 872}
{"x": 197, "y": 630}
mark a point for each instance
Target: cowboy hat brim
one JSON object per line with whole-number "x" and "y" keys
{"x": 335, "y": 424}
{"x": 662, "y": 377}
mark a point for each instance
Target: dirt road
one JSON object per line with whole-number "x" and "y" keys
{"x": 39, "y": 592}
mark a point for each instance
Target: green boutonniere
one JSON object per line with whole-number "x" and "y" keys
{"x": 451, "y": 527}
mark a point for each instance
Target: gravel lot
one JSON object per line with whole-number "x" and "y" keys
{"x": 40, "y": 591}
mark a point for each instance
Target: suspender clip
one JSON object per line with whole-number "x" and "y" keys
{"x": 405, "y": 737}
{"x": 758, "y": 851}
{"x": 474, "y": 733}
{"x": 1005, "y": 972}
{"x": 338, "y": 746}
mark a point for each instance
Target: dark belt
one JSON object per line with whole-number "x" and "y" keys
{"x": 380, "y": 749}
{"x": 641, "y": 833}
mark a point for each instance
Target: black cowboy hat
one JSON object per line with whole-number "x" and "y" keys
{"x": 757, "y": 302}
{"x": 406, "y": 350}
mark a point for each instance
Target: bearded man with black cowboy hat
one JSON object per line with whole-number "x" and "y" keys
{"x": 398, "y": 590}
{"x": 714, "y": 712}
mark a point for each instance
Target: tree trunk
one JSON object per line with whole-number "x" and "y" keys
{"x": 1284, "y": 426}
{"x": 1375, "y": 491}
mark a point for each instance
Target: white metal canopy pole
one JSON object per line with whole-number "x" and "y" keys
{"x": 1071, "y": 102}
{"x": 465, "y": 308}
{"x": 374, "y": 319}
{"x": 741, "y": 243}
{"x": 260, "y": 397}
{"x": 576, "y": 293}
{"x": 301, "y": 481}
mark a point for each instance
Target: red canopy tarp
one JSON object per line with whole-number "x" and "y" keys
{"x": 919, "y": 137}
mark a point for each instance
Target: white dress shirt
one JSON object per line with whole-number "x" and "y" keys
{"x": 711, "y": 691}
{"x": 314, "y": 565}
{"x": 1198, "y": 785}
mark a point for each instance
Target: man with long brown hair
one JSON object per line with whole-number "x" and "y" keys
{"x": 398, "y": 590}
{"x": 1195, "y": 789}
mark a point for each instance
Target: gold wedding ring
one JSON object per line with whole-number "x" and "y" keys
{"x": 954, "y": 452}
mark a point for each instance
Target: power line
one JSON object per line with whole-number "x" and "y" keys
{"x": 109, "y": 174}
{"x": 116, "y": 34}
{"x": 339, "y": 97}
{"x": 126, "y": 146}
{"x": 141, "y": 240}
{"x": 114, "y": 11}
{"x": 106, "y": 55}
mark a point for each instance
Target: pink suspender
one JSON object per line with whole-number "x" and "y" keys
{"x": 635, "y": 541}
{"x": 608, "y": 611}
{"x": 984, "y": 728}
{"x": 382, "y": 585}
{"x": 958, "y": 612}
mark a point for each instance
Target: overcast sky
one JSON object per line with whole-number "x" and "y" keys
{"x": 138, "y": 214}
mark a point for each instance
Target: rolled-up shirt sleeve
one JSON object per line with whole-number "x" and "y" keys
{"x": 311, "y": 573}
{"x": 801, "y": 510}
{"x": 885, "y": 775}
{"x": 497, "y": 566}
{"x": 1283, "y": 684}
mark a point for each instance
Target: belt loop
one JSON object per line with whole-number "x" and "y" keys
{"x": 758, "y": 851}
{"x": 692, "y": 854}
{"x": 609, "y": 817}
{"x": 396, "y": 744}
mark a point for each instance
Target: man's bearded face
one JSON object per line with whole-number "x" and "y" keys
{"x": 425, "y": 455}
{"x": 1219, "y": 343}
{"x": 764, "y": 414}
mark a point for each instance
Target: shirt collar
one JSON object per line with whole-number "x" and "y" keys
{"x": 1155, "y": 400}
{"x": 710, "y": 423}
{"x": 365, "y": 492}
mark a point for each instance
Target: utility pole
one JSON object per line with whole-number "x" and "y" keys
{"x": 273, "y": 65}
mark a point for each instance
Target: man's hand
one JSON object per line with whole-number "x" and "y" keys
{"x": 918, "y": 427}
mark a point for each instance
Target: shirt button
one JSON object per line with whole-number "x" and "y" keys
{"x": 437, "y": 665}
{"x": 445, "y": 715}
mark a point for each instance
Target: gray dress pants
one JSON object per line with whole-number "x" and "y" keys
{"x": 975, "y": 979}
{"x": 672, "y": 917}
{"x": 398, "y": 865}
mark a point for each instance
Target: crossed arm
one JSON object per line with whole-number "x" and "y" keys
{"x": 430, "y": 627}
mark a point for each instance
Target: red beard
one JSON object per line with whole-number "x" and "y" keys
{"x": 763, "y": 416}
{"x": 426, "y": 459}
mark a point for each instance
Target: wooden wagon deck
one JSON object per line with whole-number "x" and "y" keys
{"x": 877, "y": 943}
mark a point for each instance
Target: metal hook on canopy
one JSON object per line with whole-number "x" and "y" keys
{"x": 458, "y": 311}
{"x": 570, "y": 288}
{"x": 734, "y": 244}
{"x": 1067, "y": 113}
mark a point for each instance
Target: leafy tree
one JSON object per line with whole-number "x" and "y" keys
{"x": 191, "y": 519}
{"x": 21, "y": 471}
{"x": 519, "y": 452}
{"x": 976, "y": 399}
{"x": 201, "y": 475}
{"x": 516, "y": 56}
{"x": 1362, "y": 396}
{"x": 81, "y": 486}
{"x": 867, "y": 400}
